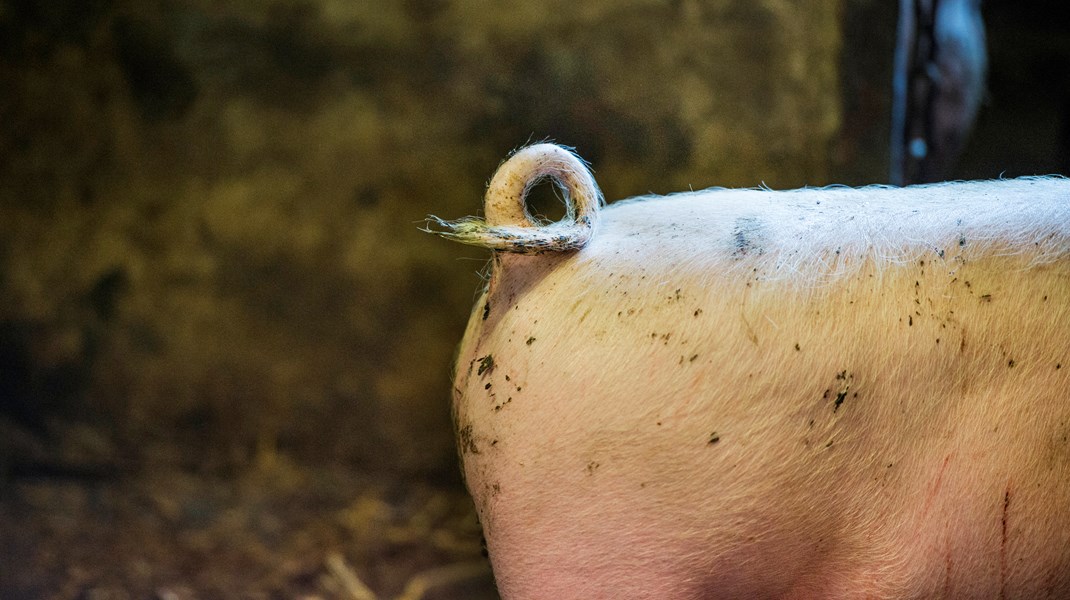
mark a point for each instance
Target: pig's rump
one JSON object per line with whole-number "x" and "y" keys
{"x": 820, "y": 393}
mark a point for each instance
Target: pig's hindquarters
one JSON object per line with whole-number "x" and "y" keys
{"x": 682, "y": 436}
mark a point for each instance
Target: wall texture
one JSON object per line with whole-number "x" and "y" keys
{"x": 209, "y": 251}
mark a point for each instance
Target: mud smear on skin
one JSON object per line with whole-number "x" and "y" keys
{"x": 1003, "y": 545}
{"x": 486, "y": 365}
{"x": 466, "y": 440}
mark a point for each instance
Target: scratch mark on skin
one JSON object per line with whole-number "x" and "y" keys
{"x": 1003, "y": 545}
{"x": 936, "y": 487}
{"x": 753, "y": 337}
{"x": 947, "y": 570}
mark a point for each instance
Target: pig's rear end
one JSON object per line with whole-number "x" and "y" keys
{"x": 744, "y": 394}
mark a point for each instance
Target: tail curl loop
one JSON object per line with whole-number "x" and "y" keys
{"x": 509, "y": 226}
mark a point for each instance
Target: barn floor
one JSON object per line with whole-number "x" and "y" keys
{"x": 273, "y": 532}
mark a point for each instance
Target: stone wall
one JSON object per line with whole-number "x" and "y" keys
{"x": 209, "y": 251}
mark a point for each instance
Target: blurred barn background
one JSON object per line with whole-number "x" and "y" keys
{"x": 224, "y": 343}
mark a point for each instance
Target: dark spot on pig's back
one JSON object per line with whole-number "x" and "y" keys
{"x": 746, "y": 237}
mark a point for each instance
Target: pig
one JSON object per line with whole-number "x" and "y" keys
{"x": 821, "y": 393}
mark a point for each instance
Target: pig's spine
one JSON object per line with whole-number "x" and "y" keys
{"x": 509, "y": 226}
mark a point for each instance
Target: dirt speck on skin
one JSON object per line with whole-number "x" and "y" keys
{"x": 845, "y": 388}
{"x": 486, "y": 365}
